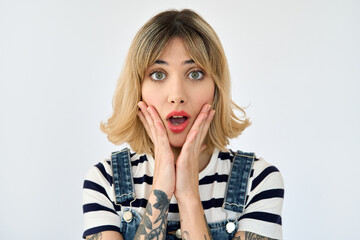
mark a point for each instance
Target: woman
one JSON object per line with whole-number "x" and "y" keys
{"x": 172, "y": 106}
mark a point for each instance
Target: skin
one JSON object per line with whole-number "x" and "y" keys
{"x": 175, "y": 82}
{"x": 250, "y": 236}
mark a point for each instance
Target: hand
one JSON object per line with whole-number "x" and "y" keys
{"x": 164, "y": 172}
{"x": 187, "y": 164}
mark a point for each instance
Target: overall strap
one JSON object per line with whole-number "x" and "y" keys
{"x": 238, "y": 181}
{"x": 123, "y": 181}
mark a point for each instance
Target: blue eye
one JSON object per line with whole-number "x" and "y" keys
{"x": 157, "y": 76}
{"x": 196, "y": 75}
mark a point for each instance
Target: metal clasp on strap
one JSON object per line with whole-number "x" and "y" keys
{"x": 126, "y": 215}
{"x": 230, "y": 225}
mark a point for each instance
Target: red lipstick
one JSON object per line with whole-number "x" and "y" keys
{"x": 177, "y": 121}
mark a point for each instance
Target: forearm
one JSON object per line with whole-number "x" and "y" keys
{"x": 250, "y": 236}
{"x": 193, "y": 221}
{"x": 154, "y": 222}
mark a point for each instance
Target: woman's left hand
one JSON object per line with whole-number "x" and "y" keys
{"x": 187, "y": 164}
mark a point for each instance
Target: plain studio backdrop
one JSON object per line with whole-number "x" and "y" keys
{"x": 294, "y": 66}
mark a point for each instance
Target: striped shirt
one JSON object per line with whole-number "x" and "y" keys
{"x": 264, "y": 200}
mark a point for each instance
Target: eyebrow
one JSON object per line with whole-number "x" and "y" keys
{"x": 190, "y": 61}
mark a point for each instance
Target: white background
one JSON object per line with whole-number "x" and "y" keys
{"x": 294, "y": 65}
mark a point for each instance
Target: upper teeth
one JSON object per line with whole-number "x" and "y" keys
{"x": 177, "y": 116}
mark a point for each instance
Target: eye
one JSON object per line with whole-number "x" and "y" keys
{"x": 196, "y": 75}
{"x": 157, "y": 75}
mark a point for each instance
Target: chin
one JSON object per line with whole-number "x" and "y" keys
{"x": 177, "y": 141}
{"x": 177, "y": 144}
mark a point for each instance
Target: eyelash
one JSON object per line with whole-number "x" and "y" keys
{"x": 157, "y": 71}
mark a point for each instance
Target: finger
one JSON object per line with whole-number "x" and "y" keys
{"x": 201, "y": 124}
{"x": 149, "y": 120}
{"x": 160, "y": 128}
{"x": 205, "y": 126}
{"x": 145, "y": 124}
{"x": 154, "y": 115}
{"x": 188, "y": 145}
{"x": 189, "y": 156}
{"x": 198, "y": 141}
{"x": 201, "y": 117}
{"x": 143, "y": 120}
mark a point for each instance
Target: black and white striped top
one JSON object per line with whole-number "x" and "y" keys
{"x": 262, "y": 213}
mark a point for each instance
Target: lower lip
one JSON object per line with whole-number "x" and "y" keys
{"x": 178, "y": 128}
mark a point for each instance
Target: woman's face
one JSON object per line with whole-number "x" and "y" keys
{"x": 178, "y": 88}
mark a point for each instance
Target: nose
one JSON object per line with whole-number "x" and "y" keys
{"x": 177, "y": 100}
{"x": 177, "y": 91}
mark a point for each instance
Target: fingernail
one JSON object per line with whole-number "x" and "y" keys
{"x": 207, "y": 108}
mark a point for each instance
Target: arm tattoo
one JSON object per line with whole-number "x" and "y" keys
{"x": 185, "y": 235}
{"x": 97, "y": 236}
{"x": 146, "y": 226}
{"x": 253, "y": 236}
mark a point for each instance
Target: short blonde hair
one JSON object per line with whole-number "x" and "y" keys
{"x": 204, "y": 47}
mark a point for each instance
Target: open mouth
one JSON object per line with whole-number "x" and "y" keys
{"x": 177, "y": 120}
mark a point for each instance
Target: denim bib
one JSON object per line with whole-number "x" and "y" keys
{"x": 235, "y": 196}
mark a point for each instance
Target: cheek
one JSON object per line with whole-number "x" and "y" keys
{"x": 201, "y": 97}
{"x": 147, "y": 94}
{"x": 206, "y": 94}
{"x": 204, "y": 98}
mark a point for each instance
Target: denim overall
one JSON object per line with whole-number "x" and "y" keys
{"x": 234, "y": 200}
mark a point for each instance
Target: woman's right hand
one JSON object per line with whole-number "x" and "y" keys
{"x": 164, "y": 172}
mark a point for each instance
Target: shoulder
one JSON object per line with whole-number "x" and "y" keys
{"x": 98, "y": 198}
{"x": 259, "y": 167}
{"x": 264, "y": 174}
{"x": 98, "y": 182}
{"x": 101, "y": 168}
{"x": 102, "y": 172}
{"x": 264, "y": 201}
